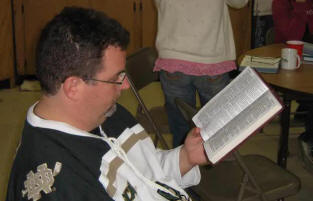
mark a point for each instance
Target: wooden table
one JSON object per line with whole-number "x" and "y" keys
{"x": 294, "y": 85}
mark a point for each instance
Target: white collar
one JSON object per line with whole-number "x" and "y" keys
{"x": 37, "y": 121}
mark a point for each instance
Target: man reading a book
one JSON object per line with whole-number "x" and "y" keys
{"x": 78, "y": 143}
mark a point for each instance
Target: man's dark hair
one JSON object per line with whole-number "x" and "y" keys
{"x": 72, "y": 44}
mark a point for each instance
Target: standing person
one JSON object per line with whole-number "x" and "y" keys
{"x": 196, "y": 51}
{"x": 293, "y": 20}
{"x": 77, "y": 143}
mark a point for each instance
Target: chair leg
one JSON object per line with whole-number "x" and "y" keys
{"x": 242, "y": 187}
{"x": 249, "y": 175}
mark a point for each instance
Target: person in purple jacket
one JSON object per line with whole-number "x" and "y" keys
{"x": 293, "y": 20}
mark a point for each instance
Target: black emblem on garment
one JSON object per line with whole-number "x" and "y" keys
{"x": 175, "y": 194}
{"x": 129, "y": 193}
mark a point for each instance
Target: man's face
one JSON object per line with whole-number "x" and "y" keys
{"x": 100, "y": 97}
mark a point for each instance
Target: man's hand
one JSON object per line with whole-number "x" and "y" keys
{"x": 192, "y": 152}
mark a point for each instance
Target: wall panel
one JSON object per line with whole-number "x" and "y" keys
{"x": 6, "y": 41}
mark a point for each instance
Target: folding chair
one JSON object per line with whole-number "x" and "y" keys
{"x": 139, "y": 68}
{"x": 246, "y": 178}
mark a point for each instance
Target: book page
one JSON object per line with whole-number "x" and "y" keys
{"x": 227, "y": 104}
{"x": 235, "y": 113}
{"x": 243, "y": 124}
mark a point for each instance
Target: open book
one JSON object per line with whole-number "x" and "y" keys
{"x": 236, "y": 112}
{"x": 261, "y": 64}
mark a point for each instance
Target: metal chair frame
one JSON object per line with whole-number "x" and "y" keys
{"x": 148, "y": 115}
{"x": 142, "y": 106}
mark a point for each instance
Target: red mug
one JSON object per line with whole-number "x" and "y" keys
{"x": 296, "y": 44}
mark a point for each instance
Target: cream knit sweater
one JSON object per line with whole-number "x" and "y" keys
{"x": 196, "y": 30}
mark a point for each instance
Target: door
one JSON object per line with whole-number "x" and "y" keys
{"x": 149, "y": 23}
{"x": 35, "y": 14}
{"x": 241, "y": 20}
{"x": 127, "y": 12}
{"x": 6, "y": 41}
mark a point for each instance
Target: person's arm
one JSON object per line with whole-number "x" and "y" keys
{"x": 181, "y": 163}
{"x": 192, "y": 152}
{"x": 289, "y": 22}
{"x": 236, "y": 3}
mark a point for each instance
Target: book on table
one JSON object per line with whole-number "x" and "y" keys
{"x": 307, "y": 57}
{"x": 308, "y": 52}
{"x": 308, "y": 48}
{"x": 235, "y": 113}
{"x": 261, "y": 64}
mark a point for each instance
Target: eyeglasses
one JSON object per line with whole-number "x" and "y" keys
{"x": 119, "y": 81}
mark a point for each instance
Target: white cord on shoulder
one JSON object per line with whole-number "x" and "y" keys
{"x": 115, "y": 146}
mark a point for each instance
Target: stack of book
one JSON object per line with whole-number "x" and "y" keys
{"x": 308, "y": 52}
{"x": 260, "y": 64}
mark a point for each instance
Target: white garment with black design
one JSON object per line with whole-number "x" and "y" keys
{"x": 119, "y": 164}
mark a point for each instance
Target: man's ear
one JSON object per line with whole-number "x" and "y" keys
{"x": 71, "y": 87}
